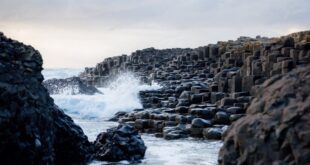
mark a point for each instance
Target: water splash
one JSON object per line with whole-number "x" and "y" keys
{"x": 61, "y": 73}
{"x": 121, "y": 94}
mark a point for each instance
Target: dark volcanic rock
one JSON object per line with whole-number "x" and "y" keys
{"x": 201, "y": 123}
{"x": 117, "y": 115}
{"x": 276, "y": 127}
{"x": 120, "y": 143}
{"x": 213, "y": 133}
{"x": 33, "y": 129}
{"x": 72, "y": 85}
{"x": 146, "y": 60}
{"x": 214, "y": 83}
{"x": 175, "y": 132}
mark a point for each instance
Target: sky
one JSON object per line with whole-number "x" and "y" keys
{"x": 81, "y": 33}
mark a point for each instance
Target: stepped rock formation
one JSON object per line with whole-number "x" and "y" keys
{"x": 143, "y": 62}
{"x": 204, "y": 89}
{"x": 33, "y": 129}
{"x": 276, "y": 128}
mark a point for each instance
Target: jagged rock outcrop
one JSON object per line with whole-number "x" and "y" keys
{"x": 120, "y": 143}
{"x": 276, "y": 127}
{"x": 142, "y": 62}
{"x": 33, "y": 129}
{"x": 72, "y": 86}
{"x": 213, "y": 83}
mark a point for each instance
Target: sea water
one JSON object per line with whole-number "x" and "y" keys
{"x": 92, "y": 111}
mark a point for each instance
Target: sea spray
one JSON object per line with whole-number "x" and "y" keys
{"x": 87, "y": 109}
{"x": 61, "y": 73}
{"x": 121, "y": 94}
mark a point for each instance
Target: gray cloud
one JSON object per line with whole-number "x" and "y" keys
{"x": 174, "y": 13}
{"x": 125, "y": 25}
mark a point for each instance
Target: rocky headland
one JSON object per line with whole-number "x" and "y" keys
{"x": 276, "y": 127}
{"x": 250, "y": 92}
{"x": 36, "y": 131}
{"x": 253, "y": 93}
{"x": 204, "y": 89}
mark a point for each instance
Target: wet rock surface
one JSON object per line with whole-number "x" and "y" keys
{"x": 213, "y": 83}
{"x": 33, "y": 129}
{"x": 72, "y": 86}
{"x": 276, "y": 127}
{"x": 120, "y": 143}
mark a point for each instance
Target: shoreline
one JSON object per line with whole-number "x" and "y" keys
{"x": 252, "y": 93}
{"x": 159, "y": 149}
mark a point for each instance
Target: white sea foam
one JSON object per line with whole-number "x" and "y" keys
{"x": 122, "y": 94}
{"x": 89, "y": 111}
{"x": 69, "y": 90}
{"x": 160, "y": 151}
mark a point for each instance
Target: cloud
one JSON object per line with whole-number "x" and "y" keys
{"x": 94, "y": 29}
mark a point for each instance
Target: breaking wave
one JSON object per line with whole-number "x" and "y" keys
{"x": 121, "y": 94}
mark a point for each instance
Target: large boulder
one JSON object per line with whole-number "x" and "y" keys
{"x": 120, "y": 143}
{"x": 201, "y": 123}
{"x": 212, "y": 133}
{"x": 33, "y": 129}
{"x": 72, "y": 86}
{"x": 175, "y": 132}
{"x": 276, "y": 127}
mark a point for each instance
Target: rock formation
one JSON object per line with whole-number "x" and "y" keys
{"x": 142, "y": 62}
{"x": 276, "y": 127}
{"x": 33, "y": 129}
{"x": 120, "y": 143}
{"x": 204, "y": 89}
{"x": 72, "y": 86}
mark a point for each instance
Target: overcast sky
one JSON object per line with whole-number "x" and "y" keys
{"x": 79, "y": 33}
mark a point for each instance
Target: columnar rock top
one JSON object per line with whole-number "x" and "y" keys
{"x": 207, "y": 88}
{"x": 276, "y": 127}
{"x": 260, "y": 56}
{"x": 140, "y": 61}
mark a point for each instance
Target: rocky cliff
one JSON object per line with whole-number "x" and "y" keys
{"x": 276, "y": 127}
{"x": 33, "y": 129}
{"x": 142, "y": 62}
{"x": 204, "y": 89}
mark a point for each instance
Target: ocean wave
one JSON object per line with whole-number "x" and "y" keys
{"x": 121, "y": 94}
